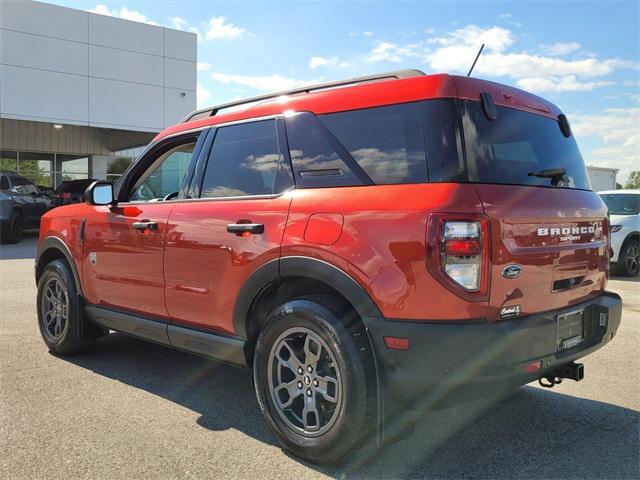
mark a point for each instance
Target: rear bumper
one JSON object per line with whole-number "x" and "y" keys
{"x": 448, "y": 359}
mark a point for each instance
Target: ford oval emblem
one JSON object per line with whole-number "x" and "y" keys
{"x": 511, "y": 271}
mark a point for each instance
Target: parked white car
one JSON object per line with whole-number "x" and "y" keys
{"x": 624, "y": 212}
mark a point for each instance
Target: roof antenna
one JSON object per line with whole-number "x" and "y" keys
{"x": 474, "y": 62}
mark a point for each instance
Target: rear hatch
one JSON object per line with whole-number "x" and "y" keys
{"x": 549, "y": 232}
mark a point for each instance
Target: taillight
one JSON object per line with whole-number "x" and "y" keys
{"x": 461, "y": 253}
{"x": 458, "y": 253}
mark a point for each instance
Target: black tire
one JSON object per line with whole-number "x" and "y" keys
{"x": 628, "y": 264}
{"x": 65, "y": 340}
{"x": 349, "y": 356}
{"x": 12, "y": 233}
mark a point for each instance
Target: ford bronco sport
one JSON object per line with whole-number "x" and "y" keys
{"x": 360, "y": 245}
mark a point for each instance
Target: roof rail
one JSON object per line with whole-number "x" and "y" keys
{"x": 211, "y": 111}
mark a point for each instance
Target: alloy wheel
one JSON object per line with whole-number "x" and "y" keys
{"x": 632, "y": 260}
{"x": 304, "y": 382}
{"x": 55, "y": 308}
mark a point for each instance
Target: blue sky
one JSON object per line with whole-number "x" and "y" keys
{"x": 583, "y": 56}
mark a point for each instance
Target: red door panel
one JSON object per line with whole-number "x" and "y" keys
{"x": 205, "y": 266}
{"x": 122, "y": 266}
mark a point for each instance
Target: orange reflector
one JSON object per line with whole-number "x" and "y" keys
{"x": 396, "y": 343}
{"x": 246, "y": 234}
{"x": 533, "y": 366}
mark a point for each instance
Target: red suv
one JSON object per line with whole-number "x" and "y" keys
{"x": 365, "y": 247}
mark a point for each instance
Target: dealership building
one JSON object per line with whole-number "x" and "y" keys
{"x": 80, "y": 93}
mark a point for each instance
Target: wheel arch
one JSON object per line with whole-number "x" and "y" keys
{"x": 291, "y": 277}
{"x": 635, "y": 235}
{"x": 52, "y": 248}
{"x": 18, "y": 209}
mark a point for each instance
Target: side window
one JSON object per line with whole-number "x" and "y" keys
{"x": 165, "y": 175}
{"x": 442, "y": 139}
{"x": 245, "y": 159}
{"x": 4, "y": 183}
{"x": 387, "y": 142}
{"x": 315, "y": 155}
{"x": 23, "y": 186}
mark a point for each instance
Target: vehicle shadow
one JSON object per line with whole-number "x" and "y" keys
{"x": 533, "y": 433}
{"x": 24, "y": 249}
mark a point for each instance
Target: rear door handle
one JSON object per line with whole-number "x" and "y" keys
{"x": 240, "y": 228}
{"x": 145, "y": 225}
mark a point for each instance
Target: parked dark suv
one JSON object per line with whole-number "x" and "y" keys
{"x": 21, "y": 206}
{"x": 72, "y": 191}
{"x": 365, "y": 247}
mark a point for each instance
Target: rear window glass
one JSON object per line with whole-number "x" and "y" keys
{"x": 622, "y": 203}
{"x": 518, "y": 147}
{"x": 386, "y": 142}
{"x": 442, "y": 139}
{"x": 4, "y": 183}
{"x": 244, "y": 160}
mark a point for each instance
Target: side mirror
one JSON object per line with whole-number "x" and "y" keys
{"x": 99, "y": 193}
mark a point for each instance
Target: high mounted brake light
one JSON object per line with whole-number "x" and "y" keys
{"x": 458, "y": 253}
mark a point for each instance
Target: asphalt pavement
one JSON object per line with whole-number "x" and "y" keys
{"x": 130, "y": 409}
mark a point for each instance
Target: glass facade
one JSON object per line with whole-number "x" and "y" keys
{"x": 51, "y": 169}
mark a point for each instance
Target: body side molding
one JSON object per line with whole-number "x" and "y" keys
{"x": 217, "y": 347}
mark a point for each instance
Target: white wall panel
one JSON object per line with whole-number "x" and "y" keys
{"x": 126, "y": 35}
{"x": 38, "y": 94}
{"x": 35, "y": 51}
{"x": 44, "y": 19}
{"x": 176, "y": 106}
{"x": 180, "y": 45}
{"x": 138, "y": 105}
{"x": 128, "y": 66}
{"x": 68, "y": 66}
{"x": 179, "y": 74}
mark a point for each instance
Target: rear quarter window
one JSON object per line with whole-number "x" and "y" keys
{"x": 386, "y": 142}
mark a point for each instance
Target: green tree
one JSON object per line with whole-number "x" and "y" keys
{"x": 634, "y": 180}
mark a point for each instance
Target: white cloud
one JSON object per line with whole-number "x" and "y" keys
{"x": 505, "y": 15}
{"x": 367, "y": 33}
{"x": 123, "y": 13}
{"x": 203, "y": 95}
{"x": 203, "y": 66}
{"x": 179, "y": 23}
{"x": 496, "y": 39}
{"x": 454, "y": 52}
{"x": 619, "y": 131}
{"x": 316, "y": 62}
{"x": 265, "y": 83}
{"x": 391, "y": 52}
{"x": 219, "y": 28}
{"x": 560, "y": 48}
{"x": 568, "y": 83}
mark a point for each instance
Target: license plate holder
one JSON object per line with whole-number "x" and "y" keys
{"x": 570, "y": 329}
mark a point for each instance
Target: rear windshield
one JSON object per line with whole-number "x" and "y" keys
{"x": 622, "y": 203}
{"x": 519, "y": 148}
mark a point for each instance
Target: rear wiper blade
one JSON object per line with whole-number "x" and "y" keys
{"x": 549, "y": 173}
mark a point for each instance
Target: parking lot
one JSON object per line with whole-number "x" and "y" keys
{"x": 131, "y": 409}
